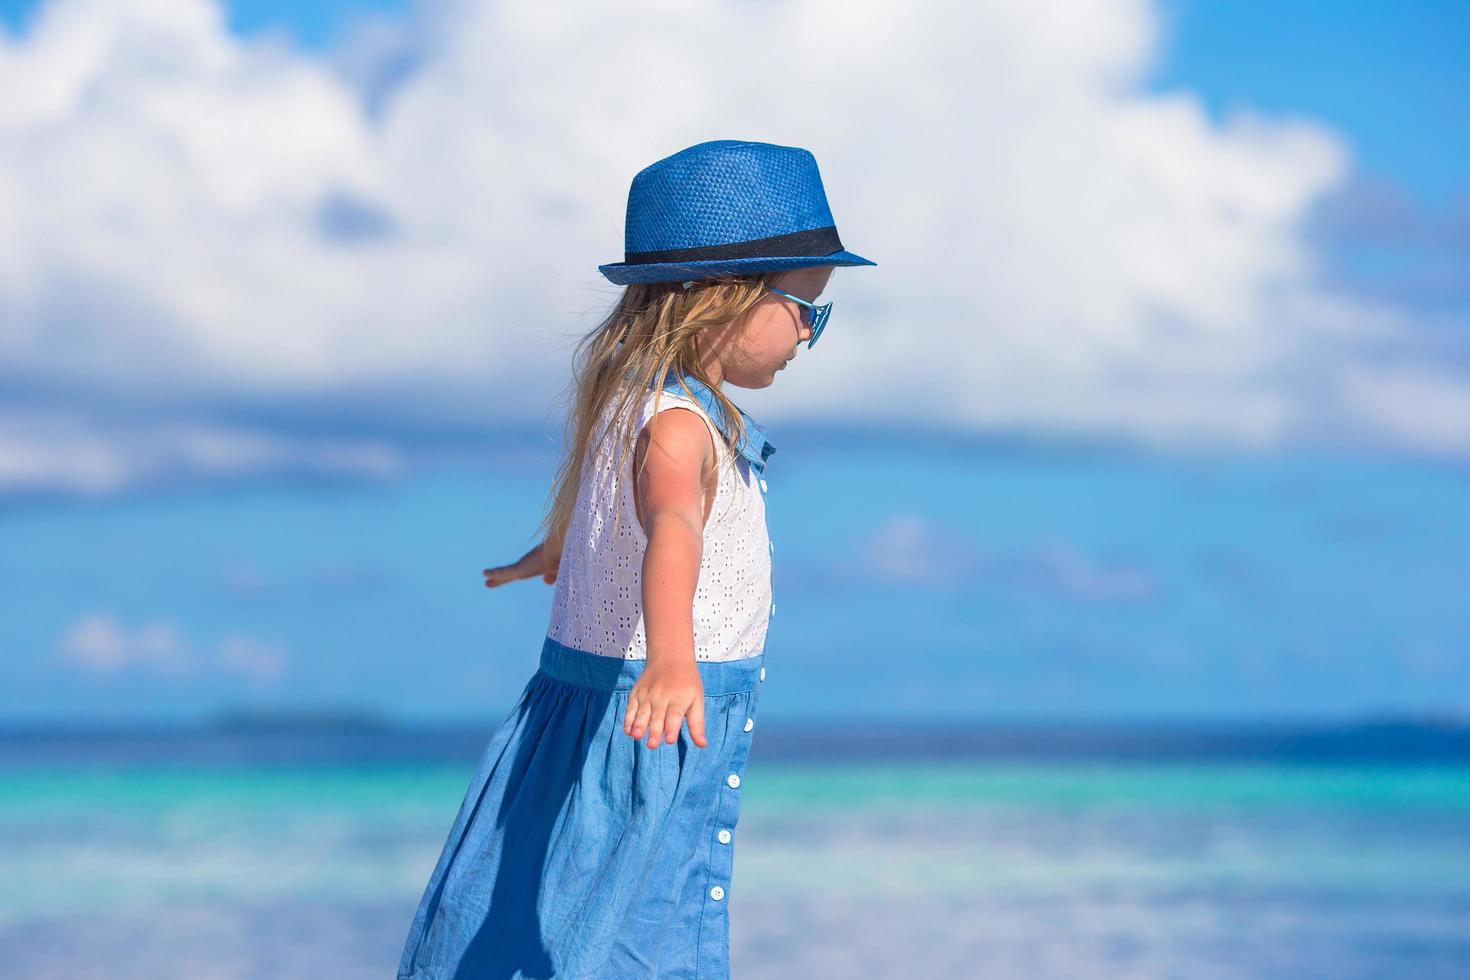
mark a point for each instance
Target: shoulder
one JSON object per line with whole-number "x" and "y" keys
{"x": 677, "y": 433}
{"x": 658, "y": 399}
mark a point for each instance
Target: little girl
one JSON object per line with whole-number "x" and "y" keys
{"x": 596, "y": 840}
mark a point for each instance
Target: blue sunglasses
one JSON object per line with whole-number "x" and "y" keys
{"x": 818, "y": 317}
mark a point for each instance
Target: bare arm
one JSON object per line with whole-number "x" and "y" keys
{"x": 543, "y": 560}
{"x": 670, "y": 496}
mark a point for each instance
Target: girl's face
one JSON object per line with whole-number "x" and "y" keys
{"x": 773, "y": 330}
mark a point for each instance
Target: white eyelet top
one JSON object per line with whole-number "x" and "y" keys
{"x": 598, "y": 605}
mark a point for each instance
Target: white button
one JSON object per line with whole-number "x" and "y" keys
{"x": 763, "y": 484}
{"x": 763, "y": 673}
{"x": 773, "y": 609}
{"x": 717, "y": 893}
{"x": 749, "y": 724}
{"x": 733, "y": 780}
{"x": 724, "y": 836}
{"x": 773, "y": 546}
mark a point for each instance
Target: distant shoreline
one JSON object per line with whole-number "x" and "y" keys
{"x": 375, "y": 719}
{"x": 269, "y": 738}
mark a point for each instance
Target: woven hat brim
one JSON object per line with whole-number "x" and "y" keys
{"x": 623, "y": 273}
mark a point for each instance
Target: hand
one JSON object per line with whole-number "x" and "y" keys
{"x": 543, "y": 560}
{"x": 664, "y": 693}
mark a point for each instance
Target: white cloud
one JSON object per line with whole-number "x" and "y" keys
{"x": 906, "y": 548}
{"x": 101, "y": 644}
{"x": 98, "y": 643}
{"x": 57, "y": 450}
{"x": 1059, "y": 250}
{"x": 1060, "y": 564}
{"x": 1425, "y": 407}
{"x": 261, "y": 663}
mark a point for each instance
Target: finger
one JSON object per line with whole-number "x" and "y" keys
{"x": 673, "y": 721}
{"x": 500, "y": 574}
{"x": 635, "y": 704}
{"x": 523, "y": 567}
{"x": 696, "y": 722}
{"x": 656, "y": 725}
{"x": 640, "y": 721}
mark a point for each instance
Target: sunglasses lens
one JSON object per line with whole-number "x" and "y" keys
{"x": 819, "y": 320}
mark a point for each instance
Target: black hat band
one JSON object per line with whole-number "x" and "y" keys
{"x": 812, "y": 242}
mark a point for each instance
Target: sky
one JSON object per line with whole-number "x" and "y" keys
{"x": 271, "y": 264}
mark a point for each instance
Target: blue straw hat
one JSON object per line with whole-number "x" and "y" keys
{"x": 727, "y": 207}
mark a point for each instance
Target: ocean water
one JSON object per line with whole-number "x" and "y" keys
{"x": 304, "y": 855}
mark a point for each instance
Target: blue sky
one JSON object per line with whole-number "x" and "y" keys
{"x": 1390, "y": 75}
{"x": 280, "y": 372}
{"x": 1393, "y": 78}
{"x": 316, "y": 24}
{"x": 959, "y": 584}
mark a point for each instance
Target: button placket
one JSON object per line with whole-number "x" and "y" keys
{"x": 728, "y": 807}
{"x": 728, "y": 812}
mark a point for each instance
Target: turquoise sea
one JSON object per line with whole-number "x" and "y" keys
{"x": 1006, "y": 853}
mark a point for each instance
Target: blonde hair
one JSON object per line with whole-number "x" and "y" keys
{"x": 650, "y": 332}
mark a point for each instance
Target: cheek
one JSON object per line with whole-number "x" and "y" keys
{"x": 786, "y": 338}
{"x": 758, "y": 342}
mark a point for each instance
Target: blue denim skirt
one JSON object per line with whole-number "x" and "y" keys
{"x": 579, "y": 851}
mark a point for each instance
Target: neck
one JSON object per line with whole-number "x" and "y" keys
{"x": 713, "y": 369}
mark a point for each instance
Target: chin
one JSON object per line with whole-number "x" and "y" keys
{"x": 752, "y": 382}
